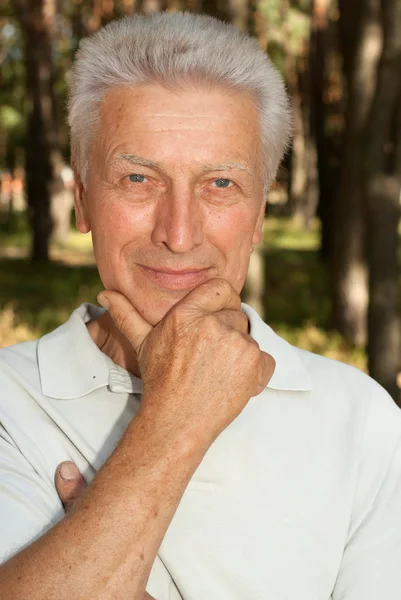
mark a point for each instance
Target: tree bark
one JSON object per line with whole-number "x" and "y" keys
{"x": 254, "y": 290}
{"x": 302, "y": 158}
{"x": 148, "y": 7}
{"x": 327, "y": 175}
{"x": 40, "y": 135}
{"x": 382, "y": 191}
{"x": 217, "y": 8}
{"x": 361, "y": 47}
{"x": 241, "y": 11}
{"x": 299, "y": 159}
{"x": 126, "y": 7}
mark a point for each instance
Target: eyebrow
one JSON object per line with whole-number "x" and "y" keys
{"x": 228, "y": 167}
{"x": 152, "y": 164}
{"x": 135, "y": 160}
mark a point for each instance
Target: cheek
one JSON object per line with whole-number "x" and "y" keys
{"x": 118, "y": 224}
{"x": 232, "y": 229}
{"x": 116, "y": 228}
{"x": 232, "y": 234}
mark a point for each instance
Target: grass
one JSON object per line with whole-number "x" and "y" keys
{"x": 34, "y": 299}
{"x": 297, "y": 298}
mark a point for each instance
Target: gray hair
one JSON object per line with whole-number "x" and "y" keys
{"x": 174, "y": 49}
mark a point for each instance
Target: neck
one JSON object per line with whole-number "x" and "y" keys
{"x": 113, "y": 343}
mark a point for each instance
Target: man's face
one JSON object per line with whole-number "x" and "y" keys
{"x": 174, "y": 193}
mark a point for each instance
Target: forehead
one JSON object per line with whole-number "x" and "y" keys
{"x": 200, "y": 124}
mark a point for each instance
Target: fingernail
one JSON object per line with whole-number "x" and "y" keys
{"x": 69, "y": 471}
{"x": 103, "y": 300}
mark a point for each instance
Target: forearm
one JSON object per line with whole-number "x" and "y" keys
{"x": 105, "y": 548}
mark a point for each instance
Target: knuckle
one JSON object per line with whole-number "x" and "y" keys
{"x": 254, "y": 351}
{"x": 211, "y": 322}
{"x": 267, "y": 367}
{"x": 247, "y": 347}
{"x": 220, "y": 285}
{"x": 271, "y": 361}
{"x": 253, "y": 354}
{"x": 243, "y": 322}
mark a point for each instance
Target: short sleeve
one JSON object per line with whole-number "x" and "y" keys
{"x": 28, "y": 506}
{"x": 371, "y": 564}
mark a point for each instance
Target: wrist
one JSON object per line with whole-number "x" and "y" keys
{"x": 165, "y": 442}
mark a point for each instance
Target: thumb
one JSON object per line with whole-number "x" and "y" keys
{"x": 70, "y": 484}
{"x": 126, "y": 318}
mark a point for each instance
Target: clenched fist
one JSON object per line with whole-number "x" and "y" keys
{"x": 199, "y": 365}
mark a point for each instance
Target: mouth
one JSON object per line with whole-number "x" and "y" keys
{"x": 176, "y": 279}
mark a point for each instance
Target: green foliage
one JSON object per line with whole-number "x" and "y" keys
{"x": 10, "y": 118}
{"x": 287, "y": 30}
{"x": 297, "y": 294}
{"x": 43, "y": 296}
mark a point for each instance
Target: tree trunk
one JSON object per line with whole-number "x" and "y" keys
{"x": 78, "y": 25}
{"x": 310, "y": 202}
{"x": 382, "y": 190}
{"x": 39, "y": 80}
{"x": 127, "y": 7}
{"x": 361, "y": 47}
{"x": 319, "y": 117}
{"x": 254, "y": 289}
{"x": 42, "y": 155}
{"x": 148, "y": 7}
{"x": 298, "y": 164}
{"x": 216, "y": 8}
{"x": 240, "y": 11}
{"x": 301, "y": 163}
{"x": 192, "y": 5}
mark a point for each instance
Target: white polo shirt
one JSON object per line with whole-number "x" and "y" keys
{"x": 298, "y": 499}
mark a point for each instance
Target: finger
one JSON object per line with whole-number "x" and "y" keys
{"x": 125, "y": 317}
{"x": 267, "y": 367}
{"x": 70, "y": 484}
{"x": 212, "y": 296}
{"x": 234, "y": 319}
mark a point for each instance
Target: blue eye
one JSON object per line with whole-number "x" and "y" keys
{"x": 135, "y": 178}
{"x": 222, "y": 183}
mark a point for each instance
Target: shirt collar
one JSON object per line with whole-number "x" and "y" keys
{"x": 290, "y": 373}
{"x": 71, "y": 365}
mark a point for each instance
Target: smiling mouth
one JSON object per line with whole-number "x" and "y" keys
{"x": 176, "y": 279}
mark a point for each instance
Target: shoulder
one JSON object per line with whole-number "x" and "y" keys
{"x": 352, "y": 396}
{"x": 19, "y": 361}
{"x": 340, "y": 381}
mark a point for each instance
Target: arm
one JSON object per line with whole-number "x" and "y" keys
{"x": 82, "y": 557}
{"x": 71, "y": 489}
{"x": 371, "y": 563}
{"x": 138, "y": 489}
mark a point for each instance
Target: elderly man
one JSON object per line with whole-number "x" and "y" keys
{"x": 221, "y": 463}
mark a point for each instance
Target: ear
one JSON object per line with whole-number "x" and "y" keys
{"x": 258, "y": 232}
{"x": 80, "y": 203}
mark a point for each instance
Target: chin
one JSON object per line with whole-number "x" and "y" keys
{"x": 154, "y": 309}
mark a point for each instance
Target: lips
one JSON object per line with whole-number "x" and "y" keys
{"x": 176, "y": 279}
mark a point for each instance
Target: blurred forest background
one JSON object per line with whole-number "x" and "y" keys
{"x": 327, "y": 275}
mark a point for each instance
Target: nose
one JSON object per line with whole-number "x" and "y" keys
{"x": 179, "y": 222}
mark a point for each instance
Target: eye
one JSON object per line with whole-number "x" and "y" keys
{"x": 223, "y": 183}
{"x": 136, "y": 178}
